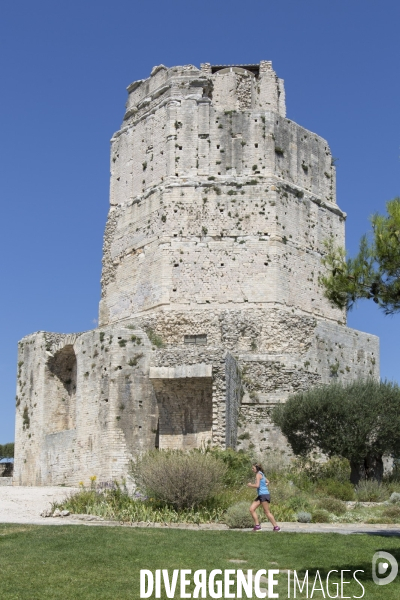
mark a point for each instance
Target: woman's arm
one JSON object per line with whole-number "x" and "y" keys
{"x": 257, "y": 483}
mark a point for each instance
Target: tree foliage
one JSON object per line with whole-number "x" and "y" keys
{"x": 359, "y": 421}
{"x": 375, "y": 272}
{"x": 7, "y": 450}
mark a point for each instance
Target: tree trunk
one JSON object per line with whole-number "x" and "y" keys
{"x": 370, "y": 468}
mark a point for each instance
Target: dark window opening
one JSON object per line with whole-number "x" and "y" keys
{"x": 197, "y": 340}
{"x": 254, "y": 69}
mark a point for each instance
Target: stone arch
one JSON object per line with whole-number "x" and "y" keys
{"x": 61, "y": 382}
{"x": 238, "y": 70}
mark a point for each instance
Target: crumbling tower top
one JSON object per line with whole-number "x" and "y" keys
{"x": 229, "y": 87}
{"x": 254, "y": 86}
{"x": 216, "y": 199}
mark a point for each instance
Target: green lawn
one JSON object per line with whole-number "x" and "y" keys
{"x": 79, "y": 562}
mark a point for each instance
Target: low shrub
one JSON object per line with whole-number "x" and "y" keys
{"x": 395, "y": 498}
{"x": 393, "y": 512}
{"x": 376, "y": 521}
{"x": 282, "y": 491}
{"x": 371, "y": 491}
{"x": 298, "y": 503}
{"x": 320, "y": 515}
{"x": 392, "y": 486}
{"x": 82, "y": 502}
{"x": 238, "y": 465}
{"x": 283, "y": 513}
{"x": 154, "y": 338}
{"x": 238, "y": 516}
{"x": 332, "y": 505}
{"x": 337, "y": 489}
{"x": 276, "y": 464}
{"x": 303, "y": 517}
{"x": 117, "y": 505}
{"x": 336, "y": 468}
{"x": 179, "y": 479}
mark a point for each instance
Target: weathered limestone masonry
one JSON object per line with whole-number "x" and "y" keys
{"x": 211, "y": 311}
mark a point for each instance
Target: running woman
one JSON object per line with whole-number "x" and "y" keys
{"x": 263, "y": 498}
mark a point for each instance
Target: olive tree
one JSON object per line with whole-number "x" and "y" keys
{"x": 359, "y": 421}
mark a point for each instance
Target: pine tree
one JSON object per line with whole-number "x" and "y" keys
{"x": 374, "y": 273}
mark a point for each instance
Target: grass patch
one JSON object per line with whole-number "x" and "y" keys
{"x": 99, "y": 563}
{"x": 154, "y": 338}
{"x": 132, "y": 362}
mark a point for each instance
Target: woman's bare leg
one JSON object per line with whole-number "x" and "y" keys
{"x": 268, "y": 513}
{"x": 253, "y": 509}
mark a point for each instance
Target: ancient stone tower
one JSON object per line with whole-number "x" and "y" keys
{"x": 211, "y": 311}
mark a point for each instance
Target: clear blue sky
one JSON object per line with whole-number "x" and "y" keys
{"x": 64, "y": 70}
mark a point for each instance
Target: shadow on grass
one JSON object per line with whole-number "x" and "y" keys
{"x": 365, "y": 568}
{"x": 383, "y": 533}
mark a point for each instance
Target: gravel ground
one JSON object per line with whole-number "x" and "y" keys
{"x": 24, "y": 504}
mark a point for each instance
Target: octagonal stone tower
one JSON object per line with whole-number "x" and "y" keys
{"x": 211, "y": 311}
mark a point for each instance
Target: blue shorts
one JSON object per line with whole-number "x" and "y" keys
{"x": 263, "y": 498}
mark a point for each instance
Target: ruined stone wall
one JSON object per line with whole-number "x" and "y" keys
{"x": 317, "y": 355}
{"x": 278, "y": 353}
{"x": 314, "y": 344}
{"x": 68, "y": 431}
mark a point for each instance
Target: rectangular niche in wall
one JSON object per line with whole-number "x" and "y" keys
{"x": 197, "y": 340}
{"x": 185, "y": 412}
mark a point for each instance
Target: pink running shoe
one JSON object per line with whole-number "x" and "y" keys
{"x": 257, "y": 528}
{"x": 277, "y": 528}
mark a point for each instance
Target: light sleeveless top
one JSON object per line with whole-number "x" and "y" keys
{"x": 262, "y": 489}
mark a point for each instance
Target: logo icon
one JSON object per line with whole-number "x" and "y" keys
{"x": 380, "y": 565}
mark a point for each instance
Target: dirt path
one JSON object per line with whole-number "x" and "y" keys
{"x": 24, "y": 504}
